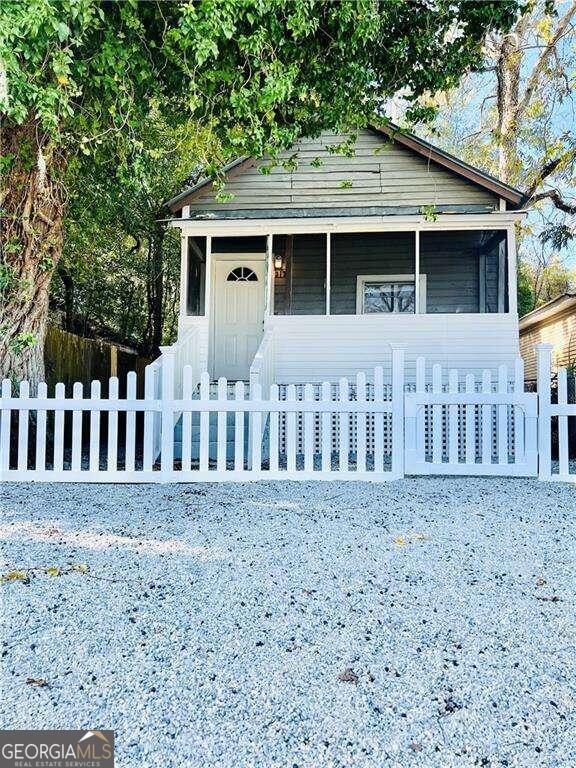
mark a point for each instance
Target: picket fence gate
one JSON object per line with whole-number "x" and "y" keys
{"x": 370, "y": 428}
{"x": 563, "y": 412}
{"x": 470, "y": 427}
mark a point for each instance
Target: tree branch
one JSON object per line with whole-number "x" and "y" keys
{"x": 555, "y": 197}
{"x": 548, "y": 169}
{"x": 542, "y": 60}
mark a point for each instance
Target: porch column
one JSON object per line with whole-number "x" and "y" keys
{"x": 269, "y": 305}
{"x": 417, "y": 272}
{"x": 502, "y": 248}
{"x": 512, "y": 270}
{"x": 328, "y": 269}
{"x": 208, "y": 277}
{"x": 482, "y": 283}
{"x": 183, "y": 274}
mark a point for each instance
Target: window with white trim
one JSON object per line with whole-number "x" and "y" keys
{"x": 389, "y": 294}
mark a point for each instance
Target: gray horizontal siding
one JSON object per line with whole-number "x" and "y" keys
{"x": 374, "y": 253}
{"x": 331, "y": 211}
{"x": 450, "y": 261}
{"x": 302, "y": 291}
{"x": 381, "y": 174}
{"x": 450, "y": 264}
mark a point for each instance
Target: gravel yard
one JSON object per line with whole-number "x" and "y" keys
{"x": 427, "y": 622}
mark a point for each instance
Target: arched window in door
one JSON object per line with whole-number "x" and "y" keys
{"x": 242, "y": 275}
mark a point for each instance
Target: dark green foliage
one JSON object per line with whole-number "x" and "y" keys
{"x": 87, "y": 80}
{"x": 259, "y": 73}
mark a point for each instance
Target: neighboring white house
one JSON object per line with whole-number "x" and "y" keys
{"x": 331, "y": 259}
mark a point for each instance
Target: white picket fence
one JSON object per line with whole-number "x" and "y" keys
{"x": 68, "y": 445}
{"x": 187, "y": 428}
{"x": 561, "y": 411}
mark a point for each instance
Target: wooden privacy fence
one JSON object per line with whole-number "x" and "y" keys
{"x": 187, "y": 428}
{"x": 70, "y": 358}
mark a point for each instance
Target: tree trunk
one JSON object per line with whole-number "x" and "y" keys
{"x": 32, "y": 203}
{"x": 68, "y": 283}
{"x": 508, "y": 74}
{"x": 155, "y": 288}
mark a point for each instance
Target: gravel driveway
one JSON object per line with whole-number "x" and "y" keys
{"x": 427, "y": 622}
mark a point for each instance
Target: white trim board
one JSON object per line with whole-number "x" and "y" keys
{"x": 246, "y": 227}
{"x": 259, "y": 256}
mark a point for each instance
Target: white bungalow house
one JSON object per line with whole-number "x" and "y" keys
{"x": 325, "y": 263}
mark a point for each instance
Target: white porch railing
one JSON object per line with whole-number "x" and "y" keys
{"x": 169, "y": 366}
{"x": 187, "y": 351}
{"x": 262, "y": 370}
{"x": 262, "y": 373}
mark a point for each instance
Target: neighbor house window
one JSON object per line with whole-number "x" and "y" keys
{"x": 392, "y": 294}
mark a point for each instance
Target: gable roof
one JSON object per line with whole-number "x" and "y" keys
{"x": 406, "y": 140}
{"x": 452, "y": 163}
{"x": 549, "y": 310}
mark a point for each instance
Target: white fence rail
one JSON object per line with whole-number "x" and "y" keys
{"x": 557, "y": 418}
{"x": 186, "y": 428}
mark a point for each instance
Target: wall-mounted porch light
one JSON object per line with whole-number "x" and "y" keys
{"x": 279, "y": 265}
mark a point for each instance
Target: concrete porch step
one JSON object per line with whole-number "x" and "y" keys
{"x": 212, "y": 436}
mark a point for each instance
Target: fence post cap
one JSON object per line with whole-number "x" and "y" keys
{"x": 167, "y": 350}
{"x": 544, "y": 347}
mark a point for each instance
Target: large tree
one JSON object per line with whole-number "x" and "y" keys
{"x": 532, "y": 65}
{"x": 81, "y": 77}
{"x": 516, "y": 117}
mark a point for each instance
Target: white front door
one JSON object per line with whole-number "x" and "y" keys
{"x": 238, "y": 315}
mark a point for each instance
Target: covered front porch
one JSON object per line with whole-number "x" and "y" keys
{"x": 318, "y": 300}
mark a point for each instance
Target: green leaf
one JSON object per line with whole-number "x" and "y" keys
{"x": 62, "y": 30}
{"x": 429, "y": 212}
